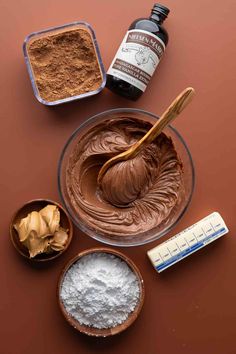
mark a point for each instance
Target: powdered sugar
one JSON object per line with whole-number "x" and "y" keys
{"x": 100, "y": 290}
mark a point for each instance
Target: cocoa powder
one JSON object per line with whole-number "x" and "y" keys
{"x": 64, "y": 64}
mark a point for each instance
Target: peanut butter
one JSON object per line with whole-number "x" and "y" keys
{"x": 40, "y": 231}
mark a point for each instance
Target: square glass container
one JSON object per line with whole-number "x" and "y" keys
{"x": 56, "y": 30}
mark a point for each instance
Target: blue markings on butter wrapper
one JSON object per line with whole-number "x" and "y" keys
{"x": 191, "y": 249}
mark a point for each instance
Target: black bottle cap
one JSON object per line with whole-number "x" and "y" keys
{"x": 160, "y": 9}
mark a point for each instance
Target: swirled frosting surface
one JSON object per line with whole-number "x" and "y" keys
{"x": 136, "y": 195}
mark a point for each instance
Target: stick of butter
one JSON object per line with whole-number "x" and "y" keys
{"x": 187, "y": 242}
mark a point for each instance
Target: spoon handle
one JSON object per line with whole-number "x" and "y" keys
{"x": 169, "y": 115}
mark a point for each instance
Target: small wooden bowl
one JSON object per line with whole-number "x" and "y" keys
{"x": 92, "y": 331}
{"x": 36, "y": 205}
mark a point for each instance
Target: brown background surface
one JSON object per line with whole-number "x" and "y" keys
{"x": 191, "y": 307}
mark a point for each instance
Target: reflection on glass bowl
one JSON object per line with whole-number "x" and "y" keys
{"x": 80, "y": 218}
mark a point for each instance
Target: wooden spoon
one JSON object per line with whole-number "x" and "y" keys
{"x": 170, "y": 114}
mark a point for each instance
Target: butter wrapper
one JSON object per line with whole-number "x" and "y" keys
{"x": 187, "y": 242}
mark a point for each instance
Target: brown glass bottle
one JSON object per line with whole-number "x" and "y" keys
{"x": 138, "y": 55}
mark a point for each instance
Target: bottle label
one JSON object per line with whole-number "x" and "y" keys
{"x": 137, "y": 58}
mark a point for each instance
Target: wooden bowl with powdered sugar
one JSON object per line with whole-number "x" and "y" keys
{"x": 70, "y": 308}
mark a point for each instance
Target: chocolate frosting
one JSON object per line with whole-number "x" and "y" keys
{"x": 136, "y": 195}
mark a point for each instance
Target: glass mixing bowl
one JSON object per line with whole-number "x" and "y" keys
{"x": 174, "y": 216}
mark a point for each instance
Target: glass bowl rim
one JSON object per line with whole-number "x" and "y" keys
{"x": 67, "y": 207}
